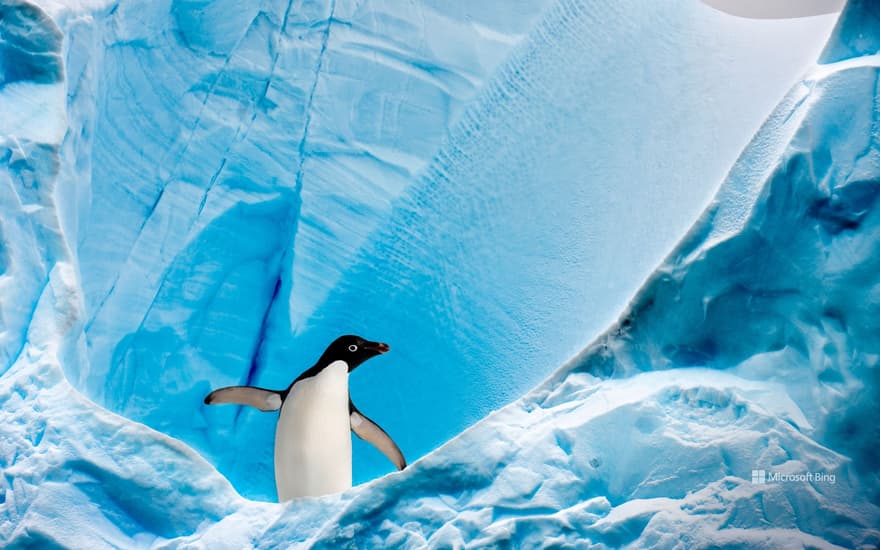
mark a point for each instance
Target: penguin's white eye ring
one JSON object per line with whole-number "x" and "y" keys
{"x": 352, "y": 348}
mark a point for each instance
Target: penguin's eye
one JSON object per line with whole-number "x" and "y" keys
{"x": 352, "y": 348}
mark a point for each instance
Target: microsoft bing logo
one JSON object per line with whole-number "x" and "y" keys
{"x": 762, "y": 477}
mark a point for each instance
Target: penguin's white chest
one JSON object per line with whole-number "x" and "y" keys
{"x": 312, "y": 438}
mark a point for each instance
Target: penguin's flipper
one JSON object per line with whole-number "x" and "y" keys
{"x": 265, "y": 400}
{"x": 369, "y": 431}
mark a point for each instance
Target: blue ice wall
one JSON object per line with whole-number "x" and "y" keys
{"x": 240, "y": 183}
{"x": 31, "y": 125}
{"x": 752, "y": 348}
{"x": 219, "y": 132}
{"x": 503, "y": 258}
{"x": 236, "y": 184}
{"x": 792, "y": 295}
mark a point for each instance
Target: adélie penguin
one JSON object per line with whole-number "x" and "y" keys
{"x": 312, "y": 439}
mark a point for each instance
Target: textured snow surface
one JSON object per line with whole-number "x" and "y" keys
{"x": 196, "y": 194}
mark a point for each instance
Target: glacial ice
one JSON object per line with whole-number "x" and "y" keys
{"x": 186, "y": 202}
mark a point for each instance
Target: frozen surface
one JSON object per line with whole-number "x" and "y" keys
{"x": 239, "y": 183}
{"x": 201, "y": 193}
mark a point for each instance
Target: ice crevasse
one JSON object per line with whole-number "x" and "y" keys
{"x": 188, "y": 204}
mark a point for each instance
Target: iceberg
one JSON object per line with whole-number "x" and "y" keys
{"x": 200, "y": 194}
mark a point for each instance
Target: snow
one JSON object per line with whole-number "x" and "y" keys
{"x": 206, "y": 192}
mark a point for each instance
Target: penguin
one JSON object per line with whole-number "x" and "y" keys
{"x": 312, "y": 440}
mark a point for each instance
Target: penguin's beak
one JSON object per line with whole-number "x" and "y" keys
{"x": 378, "y": 347}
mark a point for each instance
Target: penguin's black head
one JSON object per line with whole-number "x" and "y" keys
{"x": 354, "y": 350}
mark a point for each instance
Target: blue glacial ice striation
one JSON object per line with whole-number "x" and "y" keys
{"x": 501, "y": 259}
{"x": 217, "y": 129}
